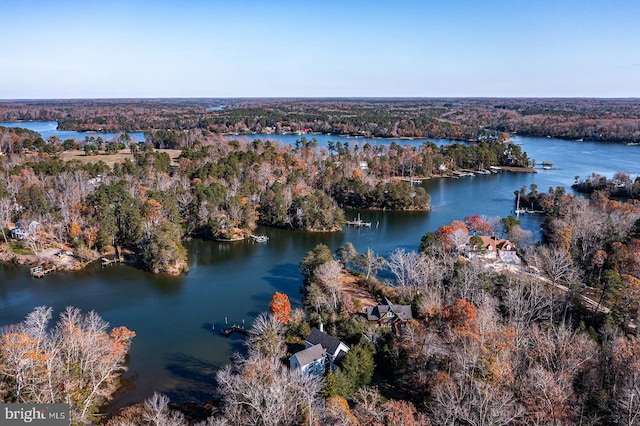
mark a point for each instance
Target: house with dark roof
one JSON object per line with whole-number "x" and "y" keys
{"x": 322, "y": 351}
{"x": 336, "y": 350}
{"x": 387, "y": 314}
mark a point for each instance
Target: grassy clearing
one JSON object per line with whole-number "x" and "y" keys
{"x": 111, "y": 159}
{"x": 19, "y": 248}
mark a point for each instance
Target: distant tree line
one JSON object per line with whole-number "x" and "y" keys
{"x": 614, "y": 120}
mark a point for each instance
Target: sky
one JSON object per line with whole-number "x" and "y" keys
{"x": 331, "y": 48}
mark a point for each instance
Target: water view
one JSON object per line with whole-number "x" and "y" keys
{"x": 50, "y": 128}
{"x": 552, "y": 341}
{"x": 178, "y": 347}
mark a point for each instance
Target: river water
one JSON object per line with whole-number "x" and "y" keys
{"x": 50, "y": 128}
{"x": 177, "y": 352}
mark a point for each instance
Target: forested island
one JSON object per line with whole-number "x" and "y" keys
{"x": 473, "y": 119}
{"x": 620, "y": 185}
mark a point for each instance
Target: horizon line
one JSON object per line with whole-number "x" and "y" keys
{"x": 194, "y": 98}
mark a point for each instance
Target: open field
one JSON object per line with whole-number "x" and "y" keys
{"x": 111, "y": 159}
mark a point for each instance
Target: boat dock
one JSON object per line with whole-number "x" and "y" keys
{"x": 234, "y": 329}
{"x": 107, "y": 262}
{"x": 413, "y": 181}
{"x": 520, "y": 211}
{"x": 39, "y": 271}
{"x": 357, "y": 222}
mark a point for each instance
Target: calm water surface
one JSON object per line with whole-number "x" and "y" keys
{"x": 177, "y": 352}
{"x": 50, "y": 128}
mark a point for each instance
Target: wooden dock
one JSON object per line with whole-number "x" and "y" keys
{"x": 357, "y": 222}
{"x": 413, "y": 181}
{"x": 39, "y": 271}
{"x": 234, "y": 329}
{"x": 107, "y": 262}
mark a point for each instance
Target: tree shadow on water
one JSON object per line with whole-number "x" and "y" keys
{"x": 285, "y": 278}
{"x": 197, "y": 378}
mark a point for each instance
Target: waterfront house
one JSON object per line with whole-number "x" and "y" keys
{"x": 493, "y": 248}
{"x": 310, "y": 361}
{"x": 336, "y": 350}
{"x": 387, "y": 314}
{"x": 321, "y": 351}
{"x": 24, "y": 229}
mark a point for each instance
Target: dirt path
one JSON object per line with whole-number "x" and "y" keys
{"x": 349, "y": 285}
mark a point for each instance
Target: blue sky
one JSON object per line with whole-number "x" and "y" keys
{"x": 278, "y": 48}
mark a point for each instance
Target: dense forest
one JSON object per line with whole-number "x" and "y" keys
{"x": 476, "y": 119}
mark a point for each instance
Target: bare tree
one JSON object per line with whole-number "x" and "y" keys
{"x": 459, "y": 238}
{"x": 368, "y": 408}
{"x": 468, "y": 282}
{"x": 261, "y": 391}
{"x": 6, "y": 208}
{"x": 157, "y": 412}
{"x": 369, "y": 263}
{"x": 624, "y": 355}
{"x": 557, "y": 264}
{"x": 526, "y": 303}
{"x": 266, "y": 337}
{"x": 328, "y": 276}
{"x": 78, "y": 362}
{"x": 407, "y": 267}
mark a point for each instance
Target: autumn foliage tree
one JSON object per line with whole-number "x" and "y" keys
{"x": 462, "y": 316}
{"x": 280, "y": 307}
{"x": 478, "y": 225}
